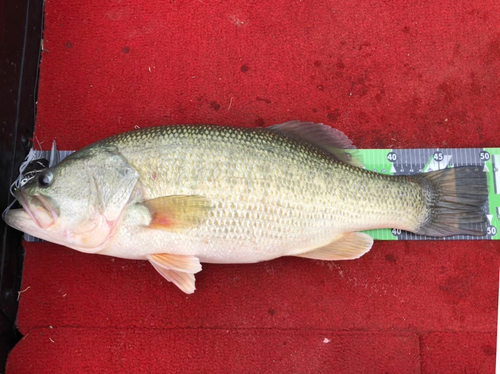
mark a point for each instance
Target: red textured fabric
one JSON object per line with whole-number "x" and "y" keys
{"x": 445, "y": 352}
{"x": 215, "y": 350}
{"x": 389, "y": 74}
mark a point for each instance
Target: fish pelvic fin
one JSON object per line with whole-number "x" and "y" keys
{"x": 177, "y": 269}
{"x": 322, "y": 136}
{"x": 456, "y": 197}
{"x": 348, "y": 246}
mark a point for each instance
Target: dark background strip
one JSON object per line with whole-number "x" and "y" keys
{"x": 21, "y": 25}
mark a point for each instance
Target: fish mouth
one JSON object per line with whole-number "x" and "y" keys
{"x": 21, "y": 220}
{"x": 38, "y": 209}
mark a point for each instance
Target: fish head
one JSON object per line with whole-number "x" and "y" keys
{"x": 78, "y": 202}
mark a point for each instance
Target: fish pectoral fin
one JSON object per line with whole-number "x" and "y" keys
{"x": 322, "y": 136}
{"x": 348, "y": 246}
{"x": 177, "y": 269}
{"x": 178, "y": 212}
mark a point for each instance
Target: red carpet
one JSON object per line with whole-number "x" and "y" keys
{"x": 389, "y": 74}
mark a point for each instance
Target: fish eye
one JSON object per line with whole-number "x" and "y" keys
{"x": 45, "y": 179}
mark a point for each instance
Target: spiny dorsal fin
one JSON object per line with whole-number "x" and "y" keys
{"x": 321, "y": 136}
{"x": 348, "y": 246}
{"x": 178, "y": 212}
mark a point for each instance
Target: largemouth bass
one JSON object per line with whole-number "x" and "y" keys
{"x": 181, "y": 195}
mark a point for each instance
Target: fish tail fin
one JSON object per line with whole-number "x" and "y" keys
{"x": 456, "y": 197}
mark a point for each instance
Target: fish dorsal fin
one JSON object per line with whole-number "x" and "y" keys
{"x": 348, "y": 246}
{"x": 178, "y": 212}
{"x": 321, "y": 136}
{"x": 177, "y": 269}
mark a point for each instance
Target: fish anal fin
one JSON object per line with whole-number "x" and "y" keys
{"x": 177, "y": 269}
{"x": 324, "y": 137}
{"x": 178, "y": 212}
{"x": 348, "y": 246}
